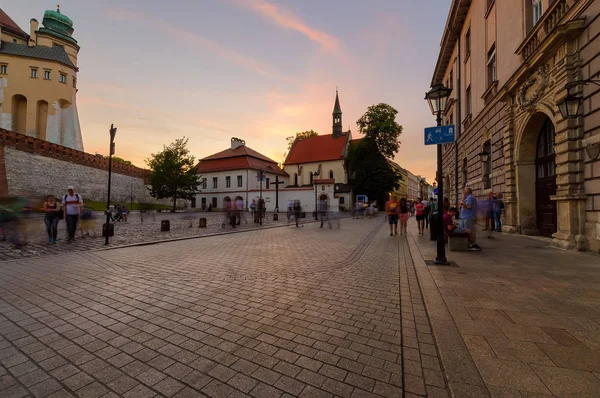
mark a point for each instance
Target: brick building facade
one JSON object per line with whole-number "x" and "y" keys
{"x": 508, "y": 63}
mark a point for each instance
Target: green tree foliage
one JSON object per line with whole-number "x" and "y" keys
{"x": 371, "y": 173}
{"x": 118, "y": 159}
{"x": 379, "y": 124}
{"x": 302, "y": 134}
{"x": 173, "y": 173}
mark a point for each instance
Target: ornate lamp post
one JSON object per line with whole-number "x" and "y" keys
{"x": 113, "y": 133}
{"x": 438, "y": 98}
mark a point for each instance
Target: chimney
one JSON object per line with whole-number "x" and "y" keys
{"x": 236, "y": 143}
{"x": 33, "y": 27}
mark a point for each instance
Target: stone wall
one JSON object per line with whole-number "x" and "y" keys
{"x": 34, "y": 168}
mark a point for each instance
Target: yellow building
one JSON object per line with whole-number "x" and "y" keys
{"x": 38, "y": 79}
{"x": 402, "y": 191}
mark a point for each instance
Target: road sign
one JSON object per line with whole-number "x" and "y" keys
{"x": 435, "y": 191}
{"x": 439, "y": 135}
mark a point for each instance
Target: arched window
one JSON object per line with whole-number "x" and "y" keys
{"x": 310, "y": 177}
{"x": 295, "y": 179}
{"x": 331, "y": 174}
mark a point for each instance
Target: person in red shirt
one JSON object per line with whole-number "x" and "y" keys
{"x": 420, "y": 213}
{"x": 453, "y": 229}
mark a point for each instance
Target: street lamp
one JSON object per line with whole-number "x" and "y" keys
{"x": 315, "y": 175}
{"x": 111, "y": 152}
{"x": 484, "y": 155}
{"x": 570, "y": 106}
{"x": 438, "y": 98}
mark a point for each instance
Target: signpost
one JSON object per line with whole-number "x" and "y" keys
{"x": 277, "y": 182}
{"x": 439, "y": 135}
{"x": 435, "y": 191}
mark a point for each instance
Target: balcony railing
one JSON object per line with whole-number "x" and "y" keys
{"x": 549, "y": 21}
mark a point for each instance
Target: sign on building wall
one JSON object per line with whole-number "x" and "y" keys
{"x": 439, "y": 135}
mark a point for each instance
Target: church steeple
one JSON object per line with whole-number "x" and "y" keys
{"x": 337, "y": 117}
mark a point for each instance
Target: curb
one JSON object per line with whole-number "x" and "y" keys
{"x": 463, "y": 377}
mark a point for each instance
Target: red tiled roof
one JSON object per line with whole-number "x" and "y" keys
{"x": 238, "y": 159}
{"x": 9, "y": 25}
{"x": 319, "y": 148}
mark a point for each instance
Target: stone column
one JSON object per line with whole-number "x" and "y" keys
{"x": 570, "y": 193}
{"x": 510, "y": 221}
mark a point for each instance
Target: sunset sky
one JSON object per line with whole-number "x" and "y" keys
{"x": 260, "y": 70}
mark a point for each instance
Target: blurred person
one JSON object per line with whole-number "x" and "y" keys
{"x": 425, "y": 204}
{"x": 52, "y": 212}
{"x": 468, "y": 212}
{"x": 488, "y": 208}
{"x": 324, "y": 212}
{"x": 498, "y": 208}
{"x": 88, "y": 223}
{"x": 403, "y": 213}
{"x": 297, "y": 211}
{"x": 239, "y": 209}
{"x": 124, "y": 212}
{"x": 420, "y": 213}
{"x": 391, "y": 209}
{"x": 72, "y": 203}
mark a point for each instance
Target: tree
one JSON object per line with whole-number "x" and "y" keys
{"x": 371, "y": 173}
{"x": 173, "y": 173}
{"x": 379, "y": 124}
{"x": 118, "y": 159}
{"x": 302, "y": 134}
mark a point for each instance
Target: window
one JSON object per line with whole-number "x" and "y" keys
{"x": 491, "y": 65}
{"x": 203, "y": 203}
{"x": 47, "y": 74}
{"x": 34, "y": 73}
{"x": 468, "y": 43}
{"x": 15, "y": 41}
{"x": 203, "y": 183}
{"x": 240, "y": 181}
{"x": 193, "y": 204}
{"x": 468, "y": 101}
{"x": 487, "y": 165}
{"x": 63, "y": 78}
{"x": 310, "y": 177}
{"x": 214, "y": 202}
{"x": 536, "y": 8}
{"x": 3, "y": 69}
{"x": 331, "y": 174}
{"x": 295, "y": 179}
{"x": 215, "y": 183}
{"x": 228, "y": 182}
{"x": 342, "y": 200}
{"x": 74, "y": 83}
{"x": 268, "y": 183}
{"x": 465, "y": 172}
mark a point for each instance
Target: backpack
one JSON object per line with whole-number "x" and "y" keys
{"x": 64, "y": 204}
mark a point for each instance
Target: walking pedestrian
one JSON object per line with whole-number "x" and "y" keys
{"x": 468, "y": 212}
{"x": 425, "y": 204}
{"x": 72, "y": 204}
{"x": 391, "y": 209}
{"x": 297, "y": 209}
{"x": 498, "y": 208}
{"x": 324, "y": 212}
{"x": 420, "y": 213}
{"x": 489, "y": 213}
{"x": 53, "y": 211}
{"x": 403, "y": 216}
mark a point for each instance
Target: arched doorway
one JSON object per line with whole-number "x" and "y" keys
{"x": 545, "y": 180}
{"x": 323, "y": 197}
{"x": 535, "y": 172}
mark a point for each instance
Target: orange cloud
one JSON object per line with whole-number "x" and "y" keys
{"x": 286, "y": 20}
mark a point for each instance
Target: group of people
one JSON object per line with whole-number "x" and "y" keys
{"x": 369, "y": 209}
{"x": 72, "y": 210}
{"x": 234, "y": 213}
{"x": 401, "y": 211}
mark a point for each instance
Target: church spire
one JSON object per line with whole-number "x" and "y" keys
{"x": 337, "y": 116}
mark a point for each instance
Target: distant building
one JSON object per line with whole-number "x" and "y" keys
{"x": 413, "y": 186}
{"x": 322, "y": 157}
{"x": 232, "y": 174}
{"x": 402, "y": 191}
{"x": 38, "y": 79}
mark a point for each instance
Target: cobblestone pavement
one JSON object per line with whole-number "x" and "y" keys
{"x": 518, "y": 319}
{"x": 135, "y": 230}
{"x": 276, "y": 312}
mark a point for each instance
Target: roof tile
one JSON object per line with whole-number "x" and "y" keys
{"x": 319, "y": 148}
{"x": 55, "y": 53}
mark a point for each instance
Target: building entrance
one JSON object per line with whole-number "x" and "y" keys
{"x": 545, "y": 183}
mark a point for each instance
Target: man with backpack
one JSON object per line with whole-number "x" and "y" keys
{"x": 72, "y": 204}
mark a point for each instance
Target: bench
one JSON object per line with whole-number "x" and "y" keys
{"x": 458, "y": 243}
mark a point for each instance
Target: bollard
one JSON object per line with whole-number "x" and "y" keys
{"x": 165, "y": 226}
{"x": 202, "y": 223}
{"x": 111, "y": 230}
{"x": 275, "y": 217}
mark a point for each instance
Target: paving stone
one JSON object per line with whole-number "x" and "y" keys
{"x": 217, "y": 389}
{"x": 168, "y": 386}
{"x": 242, "y": 382}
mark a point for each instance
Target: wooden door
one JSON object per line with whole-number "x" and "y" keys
{"x": 545, "y": 184}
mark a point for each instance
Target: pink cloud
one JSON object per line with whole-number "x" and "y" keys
{"x": 286, "y": 20}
